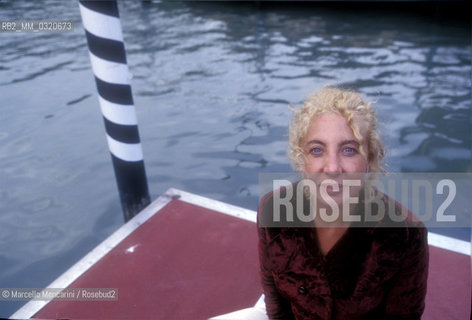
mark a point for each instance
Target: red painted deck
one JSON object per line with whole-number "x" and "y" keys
{"x": 190, "y": 262}
{"x": 449, "y": 286}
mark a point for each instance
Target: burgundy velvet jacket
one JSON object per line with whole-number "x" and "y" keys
{"x": 372, "y": 272}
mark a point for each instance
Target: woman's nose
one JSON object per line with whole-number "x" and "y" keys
{"x": 332, "y": 164}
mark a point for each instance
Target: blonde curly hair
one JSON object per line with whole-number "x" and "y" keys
{"x": 346, "y": 103}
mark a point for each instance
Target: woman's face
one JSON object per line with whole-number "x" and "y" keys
{"x": 331, "y": 148}
{"x": 332, "y": 152}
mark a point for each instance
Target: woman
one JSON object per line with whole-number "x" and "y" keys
{"x": 337, "y": 268}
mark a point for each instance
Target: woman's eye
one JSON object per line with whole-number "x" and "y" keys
{"x": 316, "y": 151}
{"x": 349, "y": 151}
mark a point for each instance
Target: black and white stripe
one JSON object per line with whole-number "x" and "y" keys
{"x": 108, "y": 58}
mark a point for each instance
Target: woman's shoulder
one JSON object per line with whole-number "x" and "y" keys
{"x": 283, "y": 192}
{"x": 400, "y": 230}
{"x": 280, "y": 208}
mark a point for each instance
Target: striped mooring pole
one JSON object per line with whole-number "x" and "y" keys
{"x": 102, "y": 26}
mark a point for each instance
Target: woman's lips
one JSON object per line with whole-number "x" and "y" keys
{"x": 334, "y": 189}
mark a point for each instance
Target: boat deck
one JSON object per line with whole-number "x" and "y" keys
{"x": 190, "y": 257}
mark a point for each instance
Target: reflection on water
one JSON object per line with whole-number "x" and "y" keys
{"x": 212, "y": 84}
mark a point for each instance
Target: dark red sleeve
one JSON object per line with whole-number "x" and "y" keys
{"x": 277, "y": 307}
{"x": 406, "y": 296}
